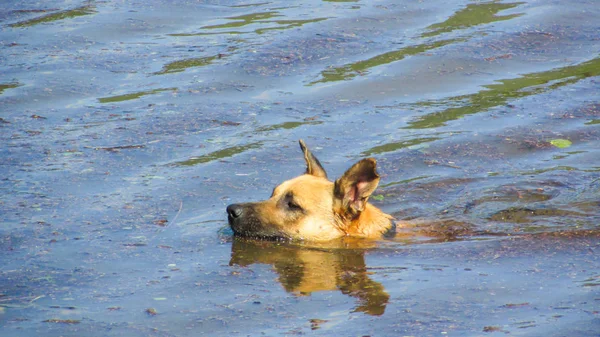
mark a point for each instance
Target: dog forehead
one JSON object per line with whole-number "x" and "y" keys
{"x": 306, "y": 185}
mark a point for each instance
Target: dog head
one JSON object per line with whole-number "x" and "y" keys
{"x": 310, "y": 207}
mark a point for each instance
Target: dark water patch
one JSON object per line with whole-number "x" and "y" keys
{"x": 433, "y": 192}
{"x": 438, "y": 230}
{"x": 457, "y": 150}
{"x": 220, "y": 154}
{"x": 496, "y": 95}
{"x": 361, "y": 68}
{"x": 593, "y": 281}
{"x": 287, "y": 24}
{"x": 25, "y": 290}
{"x": 132, "y": 96}
{"x": 473, "y": 15}
{"x": 528, "y": 215}
{"x": 405, "y": 181}
{"x": 395, "y": 146}
{"x": 266, "y": 18}
{"x": 557, "y": 135}
{"x": 588, "y": 207}
{"x": 250, "y": 20}
{"x": 588, "y": 110}
{"x": 250, "y": 5}
{"x": 564, "y": 235}
{"x": 557, "y": 168}
{"x": 245, "y": 20}
{"x": 62, "y": 321}
{"x": 181, "y": 65}
{"x": 286, "y": 58}
{"x": 526, "y": 193}
{"x": 569, "y": 190}
{"x": 6, "y": 86}
{"x": 286, "y": 126}
{"x": 62, "y": 15}
{"x": 543, "y": 44}
{"x": 525, "y": 142}
{"x": 229, "y": 32}
{"x": 119, "y": 147}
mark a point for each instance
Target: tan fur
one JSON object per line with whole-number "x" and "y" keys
{"x": 310, "y": 207}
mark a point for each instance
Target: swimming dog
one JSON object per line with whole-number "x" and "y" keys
{"x": 311, "y": 207}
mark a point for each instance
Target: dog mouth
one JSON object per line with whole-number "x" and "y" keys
{"x": 241, "y": 230}
{"x": 252, "y": 230}
{"x": 256, "y": 236}
{"x": 245, "y": 223}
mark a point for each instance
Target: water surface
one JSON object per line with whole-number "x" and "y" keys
{"x": 126, "y": 129}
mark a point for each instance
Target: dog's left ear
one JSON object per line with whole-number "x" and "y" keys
{"x": 355, "y": 187}
{"x": 313, "y": 166}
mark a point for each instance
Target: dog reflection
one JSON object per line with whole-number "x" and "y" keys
{"x": 304, "y": 270}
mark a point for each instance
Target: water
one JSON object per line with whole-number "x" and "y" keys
{"x": 128, "y": 127}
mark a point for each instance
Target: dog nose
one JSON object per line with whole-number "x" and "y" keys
{"x": 234, "y": 210}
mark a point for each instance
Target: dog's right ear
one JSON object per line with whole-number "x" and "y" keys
{"x": 313, "y": 166}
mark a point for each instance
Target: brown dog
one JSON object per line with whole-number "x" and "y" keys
{"x": 310, "y": 207}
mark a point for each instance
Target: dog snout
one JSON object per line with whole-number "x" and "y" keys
{"x": 234, "y": 211}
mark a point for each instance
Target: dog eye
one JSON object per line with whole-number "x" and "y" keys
{"x": 290, "y": 204}
{"x": 293, "y": 206}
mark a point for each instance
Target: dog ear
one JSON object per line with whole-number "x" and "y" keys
{"x": 313, "y": 166}
{"x": 355, "y": 187}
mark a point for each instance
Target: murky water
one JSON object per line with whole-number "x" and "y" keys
{"x": 127, "y": 127}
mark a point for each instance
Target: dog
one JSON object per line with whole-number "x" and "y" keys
{"x": 312, "y": 208}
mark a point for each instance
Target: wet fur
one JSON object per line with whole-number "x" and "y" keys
{"x": 310, "y": 207}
